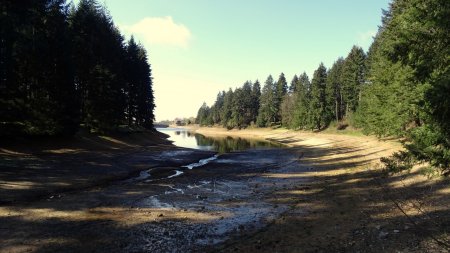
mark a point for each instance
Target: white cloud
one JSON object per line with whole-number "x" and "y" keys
{"x": 161, "y": 31}
{"x": 178, "y": 95}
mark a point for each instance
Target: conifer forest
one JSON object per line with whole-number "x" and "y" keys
{"x": 63, "y": 66}
{"x": 399, "y": 88}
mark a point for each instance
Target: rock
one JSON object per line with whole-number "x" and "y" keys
{"x": 396, "y": 231}
{"x": 383, "y": 235}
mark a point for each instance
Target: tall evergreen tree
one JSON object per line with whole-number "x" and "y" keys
{"x": 289, "y": 104}
{"x": 255, "y": 95}
{"x": 36, "y": 75}
{"x": 203, "y": 115}
{"x": 353, "y": 78}
{"x": 132, "y": 77}
{"x": 267, "y": 108}
{"x": 300, "y": 118}
{"x": 58, "y": 68}
{"x": 334, "y": 91}
{"x": 319, "y": 116}
{"x": 280, "y": 91}
{"x": 145, "y": 98}
{"x": 227, "y": 109}
{"x": 218, "y": 107}
{"x": 293, "y": 85}
{"x": 409, "y": 82}
{"x": 99, "y": 55}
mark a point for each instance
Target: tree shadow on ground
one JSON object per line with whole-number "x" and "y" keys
{"x": 338, "y": 205}
{"x": 350, "y": 206}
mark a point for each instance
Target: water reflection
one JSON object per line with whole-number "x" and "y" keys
{"x": 228, "y": 144}
{"x": 184, "y": 138}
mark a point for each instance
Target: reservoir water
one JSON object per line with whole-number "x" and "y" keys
{"x": 187, "y": 139}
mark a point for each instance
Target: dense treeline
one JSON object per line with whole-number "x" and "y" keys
{"x": 400, "y": 88}
{"x": 304, "y": 104}
{"x": 62, "y": 66}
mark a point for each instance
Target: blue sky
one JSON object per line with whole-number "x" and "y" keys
{"x": 199, "y": 47}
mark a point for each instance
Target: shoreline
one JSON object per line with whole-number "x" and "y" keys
{"x": 324, "y": 193}
{"x": 348, "y": 179}
{"x": 81, "y": 163}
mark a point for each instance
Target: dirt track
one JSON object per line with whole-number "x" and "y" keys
{"x": 324, "y": 194}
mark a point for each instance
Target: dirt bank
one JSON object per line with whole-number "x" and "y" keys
{"x": 350, "y": 205}
{"x": 38, "y": 168}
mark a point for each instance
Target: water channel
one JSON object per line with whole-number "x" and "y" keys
{"x": 187, "y": 139}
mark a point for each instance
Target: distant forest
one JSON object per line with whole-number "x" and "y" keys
{"x": 399, "y": 88}
{"x": 65, "y": 66}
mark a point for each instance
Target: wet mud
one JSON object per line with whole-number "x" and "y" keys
{"x": 172, "y": 208}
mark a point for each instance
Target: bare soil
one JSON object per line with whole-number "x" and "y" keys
{"x": 322, "y": 193}
{"x": 351, "y": 205}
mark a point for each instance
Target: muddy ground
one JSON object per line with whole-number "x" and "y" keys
{"x": 324, "y": 193}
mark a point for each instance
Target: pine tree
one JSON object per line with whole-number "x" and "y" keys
{"x": 300, "y": 119}
{"x": 267, "y": 108}
{"x": 319, "y": 116}
{"x": 227, "y": 109}
{"x": 334, "y": 91}
{"x": 203, "y": 115}
{"x": 255, "y": 95}
{"x": 58, "y": 68}
{"x": 145, "y": 98}
{"x": 280, "y": 92}
{"x": 353, "y": 78}
{"x": 36, "y": 90}
{"x": 293, "y": 85}
{"x": 409, "y": 82}
{"x": 247, "y": 104}
{"x": 99, "y": 55}
{"x": 218, "y": 107}
{"x": 237, "y": 109}
{"x": 289, "y": 104}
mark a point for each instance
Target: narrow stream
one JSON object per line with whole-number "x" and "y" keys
{"x": 186, "y": 139}
{"x": 211, "y": 208}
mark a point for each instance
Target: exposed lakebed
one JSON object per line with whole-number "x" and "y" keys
{"x": 230, "y": 195}
{"x": 172, "y": 206}
{"x": 184, "y": 138}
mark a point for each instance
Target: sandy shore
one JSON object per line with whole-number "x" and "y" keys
{"x": 322, "y": 193}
